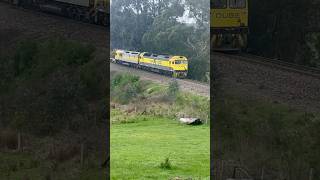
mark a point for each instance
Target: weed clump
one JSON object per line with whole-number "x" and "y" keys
{"x": 173, "y": 89}
{"x": 166, "y": 164}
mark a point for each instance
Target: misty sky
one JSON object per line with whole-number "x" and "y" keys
{"x": 184, "y": 19}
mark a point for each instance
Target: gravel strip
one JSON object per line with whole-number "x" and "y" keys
{"x": 254, "y": 80}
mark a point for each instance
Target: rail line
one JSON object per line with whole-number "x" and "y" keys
{"x": 185, "y": 80}
{"x": 273, "y": 63}
{"x": 198, "y": 87}
{"x": 55, "y": 16}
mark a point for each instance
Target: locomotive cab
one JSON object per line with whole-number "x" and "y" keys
{"x": 229, "y": 24}
{"x": 179, "y": 65}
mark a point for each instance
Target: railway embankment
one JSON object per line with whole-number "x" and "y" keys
{"x": 262, "y": 113}
{"x": 260, "y": 81}
{"x": 186, "y": 85}
{"x": 18, "y": 23}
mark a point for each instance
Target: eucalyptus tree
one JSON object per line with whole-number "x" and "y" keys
{"x": 156, "y": 26}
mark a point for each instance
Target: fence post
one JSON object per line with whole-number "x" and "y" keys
{"x": 19, "y": 141}
{"x": 82, "y": 154}
{"x": 311, "y": 174}
{"x": 262, "y": 173}
{"x": 221, "y": 169}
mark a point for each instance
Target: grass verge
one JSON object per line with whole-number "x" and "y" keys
{"x": 138, "y": 149}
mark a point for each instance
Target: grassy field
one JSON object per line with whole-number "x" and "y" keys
{"x": 138, "y": 149}
{"x": 147, "y": 141}
{"x": 24, "y": 166}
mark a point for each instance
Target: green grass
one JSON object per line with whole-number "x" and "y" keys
{"x": 139, "y": 148}
{"x": 16, "y": 166}
{"x": 266, "y": 135}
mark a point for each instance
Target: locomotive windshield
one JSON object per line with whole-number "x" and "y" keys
{"x": 237, "y": 3}
{"x": 219, "y": 4}
{"x": 180, "y": 62}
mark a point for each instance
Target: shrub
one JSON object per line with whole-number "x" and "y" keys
{"x": 8, "y": 139}
{"x": 91, "y": 80}
{"x": 25, "y": 56}
{"x": 54, "y": 82}
{"x": 173, "y": 90}
{"x": 166, "y": 164}
{"x": 6, "y": 74}
{"x": 53, "y": 55}
{"x": 125, "y": 87}
{"x": 271, "y": 131}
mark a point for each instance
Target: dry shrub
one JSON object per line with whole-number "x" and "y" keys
{"x": 8, "y": 139}
{"x": 63, "y": 152}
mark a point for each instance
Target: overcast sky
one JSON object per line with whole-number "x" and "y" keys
{"x": 184, "y": 19}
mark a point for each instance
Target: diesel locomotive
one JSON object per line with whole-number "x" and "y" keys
{"x": 175, "y": 66}
{"x": 229, "y": 25}
{"x": 93, "y": 11}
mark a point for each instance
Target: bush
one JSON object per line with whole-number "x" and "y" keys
{"x": 6, "y": 74}
{"x": 92, "y": 77}
{"x": 266, "y": 133}
{"x": 8, "y": 139}
{"x": 173, "y": 90}
{"x": 53, "y": 55}
{"x": 166, "y": 164}
{"x": 24, "y": 57}
{"x": 125, "y": 87}
{"x": 54, "y": 82}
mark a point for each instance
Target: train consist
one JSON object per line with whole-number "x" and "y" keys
{"x": 175, "y": 66}
{"x": 93, "y": 11}
{"x": 229, "y": 25}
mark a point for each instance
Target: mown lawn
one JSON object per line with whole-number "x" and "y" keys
{"x": 138, "y": 148}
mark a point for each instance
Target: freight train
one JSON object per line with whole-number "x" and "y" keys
{"x": 93, "y": 11}
{"x": 175, "y": 66}
{"x": 229, "y": 25}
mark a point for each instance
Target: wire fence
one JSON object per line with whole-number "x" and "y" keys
{"x": 234, "y": 170}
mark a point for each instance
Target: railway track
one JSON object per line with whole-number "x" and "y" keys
{"x": 188, "y": 85}
{"x": 57, "y": 16}
{"x": 273, "y": 63}
{"x": 21, "y": 23}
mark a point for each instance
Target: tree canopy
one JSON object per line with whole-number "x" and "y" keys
{"x": 288, "y": 30}
{"x": 160, "y": 26}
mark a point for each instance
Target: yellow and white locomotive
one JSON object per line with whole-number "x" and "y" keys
{"x": 229, "y": 24}
{"x": 176, "y": 66}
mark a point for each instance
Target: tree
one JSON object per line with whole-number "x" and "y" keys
{"x": 154, "y": 25}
